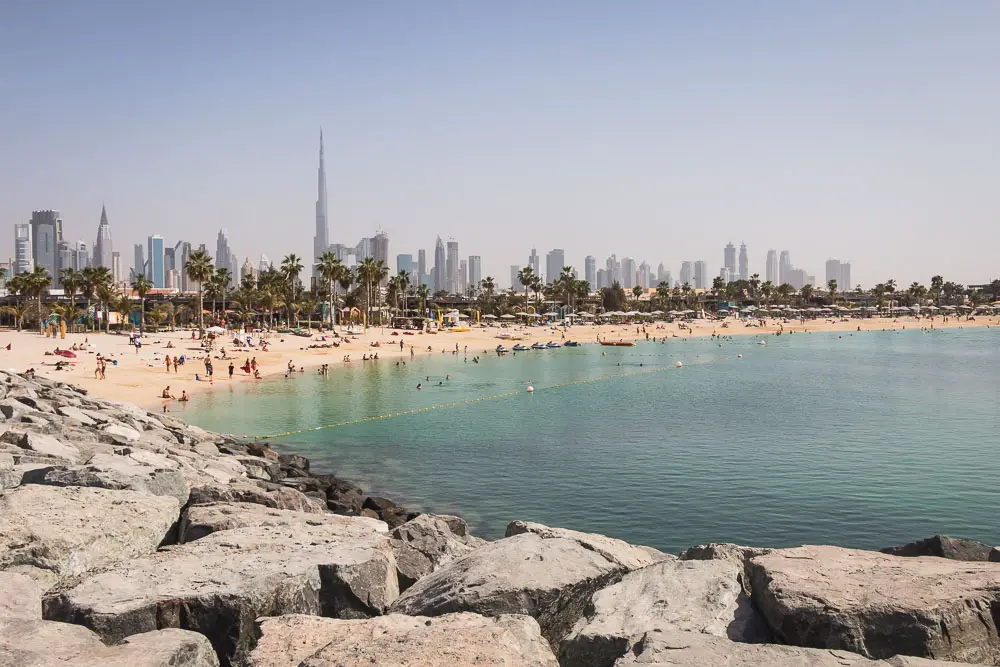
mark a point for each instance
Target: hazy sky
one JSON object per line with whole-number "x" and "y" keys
{"x": 865, "y": 131}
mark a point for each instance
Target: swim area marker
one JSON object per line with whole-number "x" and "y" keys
{"x": 470, "y": 401}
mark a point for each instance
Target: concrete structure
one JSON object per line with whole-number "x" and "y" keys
{"x": 421, "y": 264}
{"x": 555, "y": 259}
{"x": 248, "y": 270}
{"x": 602, "y": 279}
{"x": 644, "y": 276}
{"x": 154, "y": 261}
{"x": 103, "y": 253}
{"x": 404, "y": 263}
{"x": 726, "y": 275}
{"x": 613, "y": 269}
{"x": 590, "y": 271}
{"x": 729, "y": 258}
{"x": 771, "y": 271}
{"x": 701, "y": 274}
{"x": 744, "y": 263}
{"x": 475, "y": 270}
{"x": 24, "y": 259}
{"x": 321, "y": 238}
{"x": 463, "y": 276}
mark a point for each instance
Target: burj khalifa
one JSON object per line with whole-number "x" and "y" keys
{"x": 321, "y": 241}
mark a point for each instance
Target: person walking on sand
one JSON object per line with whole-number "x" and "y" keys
{"x": 168, "y": 363}
{"x": 231, "y": 369}
{"x": 175, "y": 364}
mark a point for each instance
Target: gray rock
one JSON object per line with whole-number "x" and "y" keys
{"x": 550, "y": 579}
{"x": 453, "y": 639}
{"x": 943, "y": 546}
{"x": 690, "y": 596}
{"x": 37, "y": 404}
{"x": 52, "y": 533}
{"x": 27, "y": 643}
{"x": 130, "y": 434}
{"x": 278, "y": 497}
{"x": 20, "y": 597}
{"x": 429, "y": 542}
{"x": 220, "y": 584}
{"x": 76, "y": 414}
{"x": 42, "y": 444}
{"x": 733, "y": 553}
{"x": 623, "y": 553}
{"x": 6, "y": 462}
{"x": 201, "y": 520}
{"x": 880, "y": 605}
{"x": 689, "y": 649}
{"x": 117, "y": 472}
{"x": 258, "y": 467}
{"x": 994, "y": 555}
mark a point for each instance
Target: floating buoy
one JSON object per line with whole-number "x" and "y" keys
{"x": 679, "y": 364}
{"x": 739, "y": 356}
{"x": 530, "y": 389}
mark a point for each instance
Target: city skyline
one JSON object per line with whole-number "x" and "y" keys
{"x": 829, "y": 145}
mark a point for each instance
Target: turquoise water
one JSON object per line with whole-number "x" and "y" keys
{"x": 869, "y": 440}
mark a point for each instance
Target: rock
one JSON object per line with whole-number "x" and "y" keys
{"x": 671, "y": 596}
{"x": 37, "y": 404}
{"x": 994, "y": 555}
{"x": 128, "y": 433}
{"x": 428, "y": 543}
{"x": 378, "y": 504}
{"x": 689, "y": 649}
{"x": 550, "y": 579}
{"x": 6, "y": 462}
{"x": 117, "y": 472}
{"x": 42, "y": 444}
{"x": 76, "y": 414}
{"x": 880, "y": 605}
{"x": 47, "y": 644}
{"x": 275, "y": 496}
{"x": 21, "y": 597}
{"x": 51, "y": 533}
{"x": 260, "y": 468}
{"x": 623, "y": 553}
{"x": 942, "y": 546}
{"x": 733, "y": 553}
{"x": 452, "y": 639}
{"x": 220, "y": 584}
{"x": 263, "y": 451}
{"x": 201, "y": 520}
{"x": 293, "y": 461}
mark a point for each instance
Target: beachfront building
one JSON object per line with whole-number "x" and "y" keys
{"x": 452, "y": 264}
{"x": 102, "y": 247}
{"x": 46, "y": 233}
{"x": 771, "y": 270}
{"x": 154, "y": 261}
{"x": 744, "y": 263}
{"x": 590, "y": 270}
{"x": 687, "y": 273}
{"x": 533, "y": 263}
{"x": 24, "y": 261}
{"x": 321, "y": 239}
{"x": 555, "y": 259}
{"x": 729, "y": 258}
{"x": 701, "y": 274}
{"x": 439, "y": 279}
{"x": 628, "y": 272}
{"x": 475, "y": 270}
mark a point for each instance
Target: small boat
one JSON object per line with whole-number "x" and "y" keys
{"x": 552, "y": 345}
{"x": 538, "y": 346}
{"x": 501, "y": 348}
{"x": 521, "y": 348}
{"x": 305, "y": 333}
{"x": 618, "y": 343}
{"x": 571, "y": 343}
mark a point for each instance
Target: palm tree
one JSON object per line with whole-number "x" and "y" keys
{"x": 832, "y": 289}
{"x": 489, "y": 287}
{"x": 123, "y": 306}
{"x": 636, "y": 293}
{"x": 423, "y": 292}
{"x": 71, "y": 282}
{"x": 754, "y": 284}
{"x": 222, "y": 278}
{"x": 106, "y": 295}
{"x": 199, "y": 269}
{"x": 291, "y": 267}
{"x": 403, "y": 282}
{"x": 92, "y": 278}
{"x": 767, "y": 289}
{"x": 537, "y": 286}
{"x": 37, "y": 283}
{"x": 806, "y": 292}
{"x": 331, "y": 269}
{"x": 526, "y": 277}
{"x": 141, "y": 285}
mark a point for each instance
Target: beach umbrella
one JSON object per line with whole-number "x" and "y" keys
{"x": 489, "y": 317}
{"x": 506, "y": 317}
{"x": 552, "y": 313}
{"x": 656, "y": 312}
{"x": 215, "y": 330}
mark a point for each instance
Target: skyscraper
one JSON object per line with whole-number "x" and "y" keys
{"x": 46, "y": 228}
{"x": 248, "y": 269}
{"x": 628, "y": 272}
{"x": 555, "y": 259}
{"x": 832, "y": 272}
{"x": 404, "y": 263}
{"x": 613, "y": 270}
{"x": 452, "y": 267}
{"x": 661, "y": 273}
{"x": 139, "y": 263}
{"x": 440, "y": 276}
{"x": 475, "y": 270}
{"x": 602, "y": 279}
{"x": 155, "y": 252}
{"x": 771, "y": 273}
{"x": 116, "y": 266}
{"x": 534, "y": 264}
{"x": 421, "y": 265}
{"x": 224, "y": 257}
{"x": 841, "y": 272}
{"x": 102, "y": 247}
{"x": 784, "y": 268}
{"x": 24, "y": 261}
{"x": 322, "y": 238}
{"x": 644, "y": 275}
{"x": 463, "y": 276}
{"x": 845, "y": 277}
{"x": 182, "y": 254}
{"x": 729, "y": 258}
{"x": 590, "y": 271}
{"x": 686, "y": 274}
{"x": 744, "y": 263}
{"x": 515, "y": 283}
{"x": 701, "y": 274}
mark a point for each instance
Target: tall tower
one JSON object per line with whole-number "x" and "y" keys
{"x": 321, "y": 240}
{"x": 771, "y": 271}
{"x": 103, "y": 255}
{"x": 729, "y": 258}
{"x": 744, "y": 263}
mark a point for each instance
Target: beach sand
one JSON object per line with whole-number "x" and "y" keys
{"x": 140, "y": 378}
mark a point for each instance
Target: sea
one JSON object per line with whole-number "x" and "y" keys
{"x": 857, "y": 439}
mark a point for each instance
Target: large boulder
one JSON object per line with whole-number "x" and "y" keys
{"x": 20, "y": 597}
{"x": 689, "y": 649}
{"x": 40, "y": 443}
{"x": 201, "y": 520}
{"x": 51, "y": 533}
{"x": 116, "y": 472}
{"x": 47, "y": 644}
{"x": 550, "y": 579}
{"x": 452, "y": 639}
{"x": 880, "y": 605}
{"x": 429, "y": 542}
{"x": 943, "y": 546}
{"x": 692, "y": 596}
{"x": 220, "y": 584}
{"x": 260, "y": 493}
{"x": 734, "y": 553}
{"x": 994, "y": 555}
{"x": 623, "y": 553}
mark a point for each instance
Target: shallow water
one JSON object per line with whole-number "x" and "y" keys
{"x": 873, "y": 439}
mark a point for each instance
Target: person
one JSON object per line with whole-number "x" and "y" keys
{"x": 184, "y": 396}
{"x": 420, "y": 386}
{"x": 166, "y": 392}
{"x": 401, "y": 344}
{"x": 231, "y": 369}
{"x": 168, "y": 363}
{"x": 175, "y": 364}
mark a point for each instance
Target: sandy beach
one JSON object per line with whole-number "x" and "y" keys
{"x": 141, "y": 376}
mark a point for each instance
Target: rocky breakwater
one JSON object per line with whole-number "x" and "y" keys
{"x": 131, "y": 538}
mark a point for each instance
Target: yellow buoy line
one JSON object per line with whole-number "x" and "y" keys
{"x": 470, "y": 401}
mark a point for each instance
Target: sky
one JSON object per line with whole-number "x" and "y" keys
{"x": 856, "y": 130}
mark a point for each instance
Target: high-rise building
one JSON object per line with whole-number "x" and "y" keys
{"x": 668, "y": 278}
{"x": 534, "y": 263}
{"x": 686, "y": 274}
{"x": 771, "y": 270}
{"x": 102, "y": 247}
{"x": 224, "y": 256}
{"x": 644, "y": 276}
{"x": 590, "y": 271}
{"x": 555, "y": 259}
{"x": 169, "y": 263}
{"x": 744, "y": 263}
{"x": 155, "y": 261}
{"x": 248, "y": 269}
{"x": 845, "y": 277}
{"x": 841, "y": 272}
{"x": 264, "y": 264}
{"x": 440, "y": 275}
{"x": 81, "y": 258}
{"x": 24, "y": 261}
{"x": 613, "y": 269}
{"x": 46, "y": 233}
{"x": 729, "y": 258}
{"x": 661, "y": 273}
{"x": 139, "y": 263}
{"x": 725, "y": 275}
{"x": 515, "y": 272}
{"x": 701, "y": 274}
{"x": 784, "y": 267}
{"x": 454, "y": 284}
{"x": 463, "y": 276}
{"x": 832, "y": 272}
{"x": 404, "y": 263}
{"x": 421, "y": 264}
{"x": 602, "y": 279}
{"x": 116, "y": 266}
{"x": 172, "y": 279}
{"x": 321, "y": 239}
{"x": 475, "y": 270}
{"x": 380, "y": 249}
{"x": 182, "y": 255}
{"x": 628, "y": 272}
